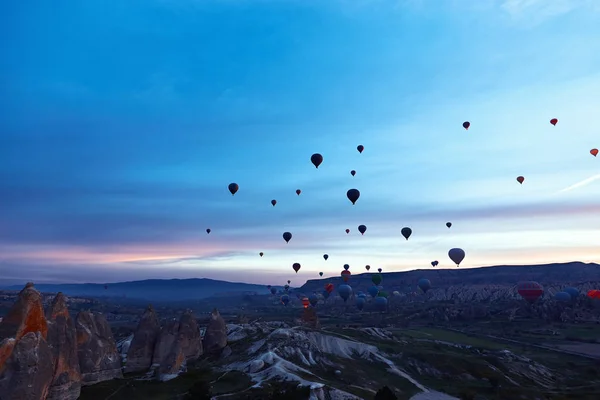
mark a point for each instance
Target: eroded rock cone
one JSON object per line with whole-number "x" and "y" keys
{"x": 141, "y": 350}
{"x": 26, "y": 315}
{"x": 99, "y": 359}
{"x": 215, "y": 338}
{"x": 62, "y": 340}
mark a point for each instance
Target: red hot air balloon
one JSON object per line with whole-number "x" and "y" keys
{"x": 466, "y": 125}
{"x": 296, "y": 267}
{"x": 520, "y": 179}
{"x": 360, "y": 148}
{"x": 353, "y": 172}
{"x": 353, "y": 195}
{"x": 261, "y": 254}
{"x": 347, "y": 231}
{"x": 554, "y": 121}
{"x": 273, "y": 202}
{"x": 346, "y": 275}
{"x": 298, "y": 191}
{"x": 594, "y": 152}
{"x": 233, "y": 188}
{"x": 316, "y": 159}
{"x": 208, "y": 230}
{"x": 530, "y": 291}
{"x": 329, "y": 287}
{"x": 305, "y": 302}
{"x": 594, "y": 294}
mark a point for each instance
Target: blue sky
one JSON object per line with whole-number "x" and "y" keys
{"x": 122, "y": 123}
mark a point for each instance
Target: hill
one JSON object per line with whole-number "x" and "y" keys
{"x": 153, "y": 289}
{"x": 571, "y": 273}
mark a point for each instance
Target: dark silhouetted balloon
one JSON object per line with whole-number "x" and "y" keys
{"x": 353, "y": 172}
{"x": 530, "y": 291}
{"x": 520, "y": 179}
{"x": 233, "y": 188}
{"x": 466, "y": 125}
{"x": 208, "y": 230}
{"x": 554, "y": 121}
{"x": 424, "y": 284}
{"x": 456, "y": 255}
{"x": 346, "y": 267}
{"x": 344, "y": 291}
{"x": 373, "y": 291}
{"x": 594, "y": 152}
{"x": 376, "y": 279}
{"x": 273, "y": 290}
{"x": 273, "y": 202}
{"x": 313, "y": 299}
{"x": 448, "y": 224}
{"x": 367, "y": 267}
{"x": 406, "y": 232}
{"x": 353, "y": 195}
{"x": 296, "y": 267}
{"x": 360, "y": 303}
{"x": 261, "y": 254}
{"x": 434, "y": 263}
{"x": 360, "y": 148}
{"x": 325, "y": 256}
{"x": 289, "y": 282}
{"x": 379, "y": 269}
{"x": 573, "y": 292}
{"x": 381, "y": 303}
{"x": 346, "y": 275}
{"x": 287, "y": 237}
{"x": 362, "y": 229}
{"x": 298, "y": 191}
{"x": 316, "y": 159}
{"x": 320, "y": 274}
{"x": 285, "y": 299}
{"x": 563, "y": 297}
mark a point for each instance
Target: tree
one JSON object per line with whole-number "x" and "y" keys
{"x": 385, "y": 393}
{"x": 201, "y": 390}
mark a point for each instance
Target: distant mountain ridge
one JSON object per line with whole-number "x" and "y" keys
{"x": 152, "y": 289}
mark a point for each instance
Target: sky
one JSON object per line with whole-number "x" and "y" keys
{"x": 122, "y": 124}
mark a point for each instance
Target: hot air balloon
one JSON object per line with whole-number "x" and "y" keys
{"x": 298, "y": 191}
{"x": 273, "y": 290}
{"x": 466, "y": 125}
{"x": 379, "y": 269}
{"x": 434, "y": 263}
{"x": 367, "y": 267}
{"x": 261, "y": 254}
{"x": 574, "y": 293}
{"x": 373, "y": 291}
{"x": 286, "y": 287}
{"x": 448, "y": 224}
{"x": 320, "y": 274}
{"x": 233, "y": 188}
{"x": 360, "y": 148}
{"x": 208, "y": 231}
{"x": 344, "y": 291}
{"x": 329, "y": 287}
{"x": 530, "y": 291}
{"x": 554, "y": 121}
{"x": 353, "y": 195}
{"x": 353, "y": 172}
{"x": 305, "y": 302}
{"x": 273, "y": 202}
{"x": 347, "y": 231}
{"x": 325, "y": 256}
{"x": 360, "y": 303}
{"x": 313, "y": 299}
{"x": 285, "y": 299}
{"x": 346, "y": 275}
{"x": 424, "y": 285}
{"x": 381, "y": 303}
{"x": 406, "y": 232}
{"x": 316, "y": 159}
{"x": 362, "y": 229}
{"x": 563, "y": 297}
{"x": 346, "y": 267}
{"x": 594, "y": 152}
{"x": 296, "y": 267}
{"x": 287, "y": 236}
{"x": 594, "y": 294}
{"x": 456, "y": 255}
{"x": 520, "y": 179}
{"x": 376, "y": 279}
{"x": 289, "y": 282}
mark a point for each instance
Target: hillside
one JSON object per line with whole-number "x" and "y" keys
{"x": 570, "y": 273}
{"x": 153, "y": 289}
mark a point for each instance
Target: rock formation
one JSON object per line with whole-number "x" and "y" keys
{"x": 62, "y": 339}
{"x": 99, "y": 359}
{"x": 141, "y": 349}
{"x": 215, "y": 338}
{"x": 25, "y": 358}
{"x": 178, "y": 342}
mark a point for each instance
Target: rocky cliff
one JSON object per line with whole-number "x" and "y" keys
{"x": 215, "y": 338}
{"x": 141, "y": 349}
